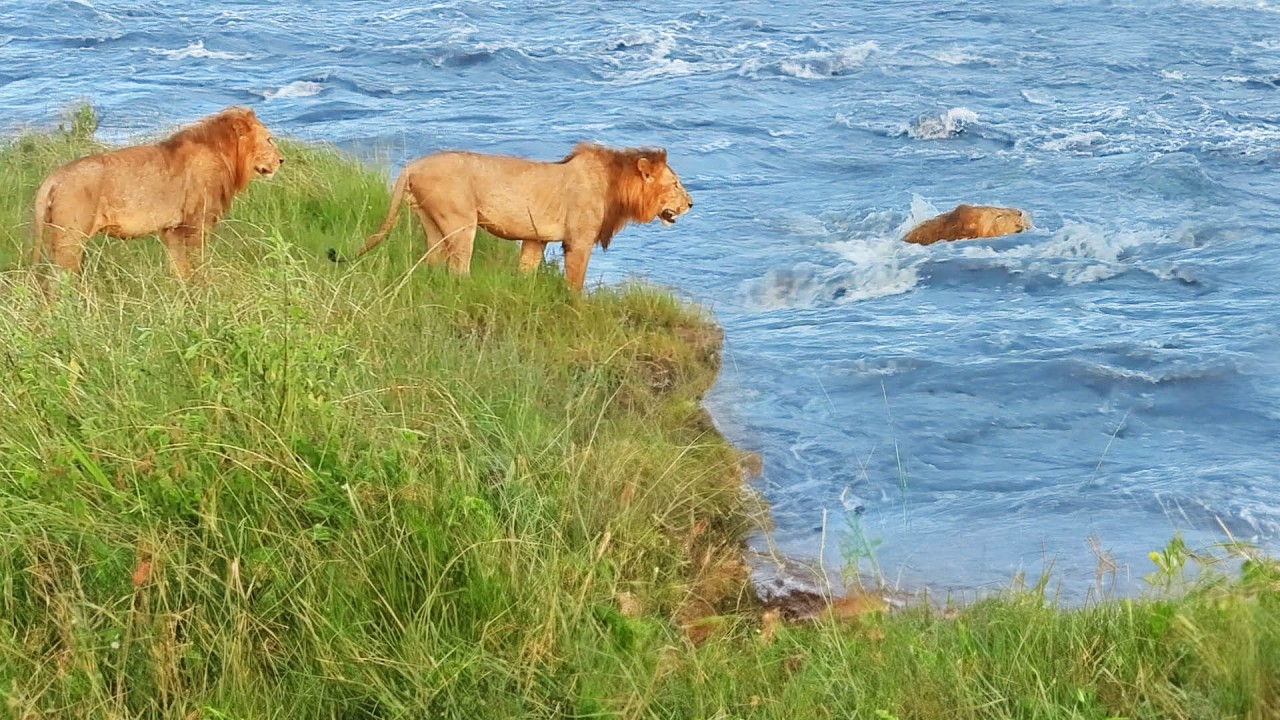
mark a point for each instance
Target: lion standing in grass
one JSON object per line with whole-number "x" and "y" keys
{"x": 583, "y": 200}
{"x": 178, "y": 187}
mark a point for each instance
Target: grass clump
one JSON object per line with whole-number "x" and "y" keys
{"x": 294, "y": 489}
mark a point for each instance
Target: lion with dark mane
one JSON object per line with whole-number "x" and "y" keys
{"x": 178, "y": 187}
{"x": 582, "y": 200}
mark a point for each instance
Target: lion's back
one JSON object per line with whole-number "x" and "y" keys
{"x": 130, "y": 191}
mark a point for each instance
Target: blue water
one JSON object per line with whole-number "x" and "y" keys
{"x": 990, "y": 406}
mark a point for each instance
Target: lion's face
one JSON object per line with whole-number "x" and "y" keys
{"x": 670, "y": 198}
{"x": 264, "y": 156}
{"x": 1009, "y": 221}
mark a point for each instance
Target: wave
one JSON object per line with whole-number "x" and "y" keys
{"x": 668, "y": 56}
{"x": 1183, "y": 370}
{"x": 808, "y": 285}
{"x": 961, "y": 56}
{"x": 811, "y": 64}
{"x": 86, "y": 9}
{"x": 1084, "y": 143}
{"x": 949, "y": 124}
{"x": 633, "y": 39}
{"x": 1038, "y": 97}
{"x": 1076, "y": 254}
{"x": 874, "y": 264}
{"x": 822, "y": 64}
{"x": 197, "y": 50}
{"x": 1262, "y": 5}
{"x": 295, "y": 89}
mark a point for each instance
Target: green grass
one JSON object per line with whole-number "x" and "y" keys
{"x": 299, "y": 490}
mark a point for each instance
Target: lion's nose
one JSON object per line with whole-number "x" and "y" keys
{"x": 690, "y": 202}
{"x": 281, "y": 161}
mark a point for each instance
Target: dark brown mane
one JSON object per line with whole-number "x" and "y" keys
{"x": 625, "y": 198}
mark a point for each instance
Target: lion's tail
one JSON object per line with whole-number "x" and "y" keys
{"x": 397, "y": 198}
{"x": 41, "y": 218}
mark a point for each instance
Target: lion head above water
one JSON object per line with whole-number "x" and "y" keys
{"x": 969, "y": 221}
{"x": 177, "y": 187}
{"x": 582, "y": 200}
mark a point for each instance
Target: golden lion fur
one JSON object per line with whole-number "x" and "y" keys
{"x": 178, "y": 187}
{"x": 582, "y": 200}
{"x": 969, "y": 221}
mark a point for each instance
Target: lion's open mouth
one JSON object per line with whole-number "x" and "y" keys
{"x": 668, "y": 216}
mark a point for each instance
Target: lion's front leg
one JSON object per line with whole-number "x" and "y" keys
{"x": 531, "y": 254}
{"x": 186, "y": 246}
{"x": 576, "y": 256}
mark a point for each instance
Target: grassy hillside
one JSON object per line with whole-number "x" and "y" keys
{"x": 294, "y": 489}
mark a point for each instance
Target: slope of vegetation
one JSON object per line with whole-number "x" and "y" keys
{"x": 293, "y": 489}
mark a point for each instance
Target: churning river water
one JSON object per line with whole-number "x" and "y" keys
{"x": 962, "y": 412}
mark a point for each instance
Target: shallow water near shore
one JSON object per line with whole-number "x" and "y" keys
{"x": 970, "y": 410}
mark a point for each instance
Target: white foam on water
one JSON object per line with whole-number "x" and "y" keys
{"x": 921, "y": 210}
{"x": 1250, "y": 139}
{"x": 97, "y": 11}
{"x": 295, "y": 89}
{"x": 660, "y": 63}
{"x": 947, "y": 125}
{"x": 873, "y": 262}
{"x": 197, "y": 50}
{"x": 961, "y": 56}
{"x": 1077, "y": 142}
{"x": 876, "y": 268}
{"x": 636, "y": 39}
{"x": 805, "y": 284}
{"x": 822, "y": 64}
{"x": 1262, "y": 5}
{"x": 1175, "y": 75}
{"x": 1038, "y": 97}
{"x": 1096, "y": 254}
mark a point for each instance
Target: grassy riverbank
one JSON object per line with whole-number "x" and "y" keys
{"x": 301, "y": 490}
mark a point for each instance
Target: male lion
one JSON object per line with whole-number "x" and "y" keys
{"x": 584, "y": 199}
{"x": 178, "y": 187}
{"x": 969, "y": 221}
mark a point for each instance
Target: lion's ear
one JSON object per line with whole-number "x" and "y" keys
{"x": 241, "y": 125}
{"x": 242, "y": 120}
{"x": 645, "y": 166}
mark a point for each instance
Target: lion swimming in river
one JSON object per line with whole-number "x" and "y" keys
{"x": 969, "y": 221}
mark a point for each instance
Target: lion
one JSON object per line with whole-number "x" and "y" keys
{"x": 969, "y": 221}
{"x": 178, "y": 187}
{"x": 582, "y": 200}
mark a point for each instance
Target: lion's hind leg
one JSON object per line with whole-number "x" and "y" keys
{"x": 66, "y": 247}
{"x": 459, "y": 238}
{"x": 461, "y": 242}
{"x": 434, "y": 254}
